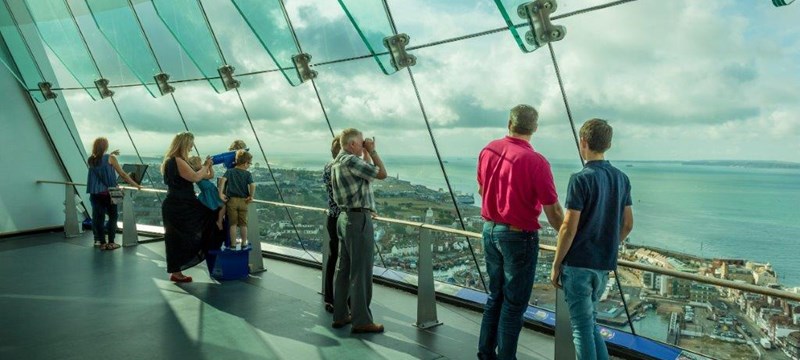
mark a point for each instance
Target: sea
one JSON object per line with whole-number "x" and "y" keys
{"x": 713, "y": 211}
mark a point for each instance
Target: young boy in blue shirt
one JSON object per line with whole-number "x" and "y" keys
{"x": 598, "y": 218}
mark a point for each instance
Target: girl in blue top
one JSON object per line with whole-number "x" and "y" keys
{"x": 101, "y": 177}
{"x": 209, "y": 195}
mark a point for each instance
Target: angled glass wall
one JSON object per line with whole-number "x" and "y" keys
{"x": 676, "y": 96}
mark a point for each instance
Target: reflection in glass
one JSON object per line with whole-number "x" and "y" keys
{"x": 58, "y": 30}
{"x": 268, "y": 22}
{"x": 21, "y": 63}
{"x": 120, "y": 26}
{"x": 186, "y": 21}
{"x": 372, "y": 23}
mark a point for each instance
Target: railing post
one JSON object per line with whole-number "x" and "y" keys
{"x": 72, "y": 226}
{"x": 426, "y": 293}
{"x": 564, "y": 349}
{"x": 256, "y": 260}
{"x": 130, "y": 237}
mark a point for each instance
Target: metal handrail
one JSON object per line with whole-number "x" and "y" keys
{"x": 59, "y": 182}
{"x": 625, "y": 263}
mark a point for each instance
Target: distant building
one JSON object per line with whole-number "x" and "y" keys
{"x": 740, "y": 273}
{"x": 703, "y": 292}
{"x": 651, "y": 280}
{"x": 429, "y": 216}
{"x": 675, "y": 287}
{"x": 793, "y": 345}
{"x": 764, "y": 276}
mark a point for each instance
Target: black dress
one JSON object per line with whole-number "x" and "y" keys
{"x": 189, "y": 226}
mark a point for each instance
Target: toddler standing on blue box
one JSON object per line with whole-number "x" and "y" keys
{"x": 209, "y": 195}
{"x": 237, "y": 189}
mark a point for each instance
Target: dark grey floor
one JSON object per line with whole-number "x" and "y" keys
{"x": 63, "y": 299}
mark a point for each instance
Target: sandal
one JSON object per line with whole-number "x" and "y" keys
{"x": 109, "y": 246}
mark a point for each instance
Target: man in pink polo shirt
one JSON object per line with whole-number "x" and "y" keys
{"x": 516, "y": 184}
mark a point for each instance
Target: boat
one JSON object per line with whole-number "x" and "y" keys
{"x": 467, "y": 199}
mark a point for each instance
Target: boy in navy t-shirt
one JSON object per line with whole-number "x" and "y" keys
{"x": 598, "y": 218}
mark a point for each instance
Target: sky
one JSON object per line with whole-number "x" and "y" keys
{"x": 678, "y": 80}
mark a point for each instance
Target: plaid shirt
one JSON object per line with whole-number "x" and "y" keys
{"x": 350, "y": 180}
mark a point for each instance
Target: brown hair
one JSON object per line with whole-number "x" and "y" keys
{"x": 336, "y": 146}
{"x": 597, "y": 134}
{"x": 237, "y": 145}
{"x": 524, "y": 120}
{"x": 179, "y": 148}
{"x": 243, "y": 157}
{"x": 99, "y": 149}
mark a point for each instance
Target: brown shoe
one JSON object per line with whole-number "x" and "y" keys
{"x": 343, "y": 323}
{"x": 369, "y": 328}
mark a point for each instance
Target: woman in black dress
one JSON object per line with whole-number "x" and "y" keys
{"x": 189, "y": 226}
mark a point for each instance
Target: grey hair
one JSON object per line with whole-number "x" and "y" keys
{"x": 524, "y": 120}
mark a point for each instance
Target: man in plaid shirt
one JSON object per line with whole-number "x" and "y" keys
{"x": 351, "y": 173}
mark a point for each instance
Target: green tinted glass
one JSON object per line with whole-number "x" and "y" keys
{"x": 58, "y": 31}
{"x": 19, "y": 60}
{"x": 370, "y": 20}
{"x": 186, "y": 22}
{"x": 266, "y": 19}
{"x": 508, "y": 8}
{"x": 119, "y": 25}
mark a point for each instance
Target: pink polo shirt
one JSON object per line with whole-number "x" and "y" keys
{"x": 516, "y": 182}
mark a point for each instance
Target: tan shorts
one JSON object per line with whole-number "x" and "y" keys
{"x": 236, "y": 211}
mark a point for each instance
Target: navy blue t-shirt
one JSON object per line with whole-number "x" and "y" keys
{"x": 600, "y": 192}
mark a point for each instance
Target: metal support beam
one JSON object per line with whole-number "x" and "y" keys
{"x": 564, "y": 349}
{"x": 542, "y": 31}
{"x": 426, "y": 293}
{"x": 256, "y": 260}
{"x": 130, "y": 237}
{"x": 72, "y": 226}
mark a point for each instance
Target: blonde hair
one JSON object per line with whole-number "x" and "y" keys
{"x": 179, "y": 148}
{"x": 243, "y": 157}
{"x": 237, "y": 145}
{"x": 336, "y": 146}
{"x": 99, "y": 149}
{"x": 347, "y": 136}
{"x": 195, "y": 162}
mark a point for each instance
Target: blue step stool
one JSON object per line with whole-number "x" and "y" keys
{"x": 229, "y": 264}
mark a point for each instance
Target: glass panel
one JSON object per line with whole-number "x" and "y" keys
{"x": 508, "y": 9}
{"x": 20, "y": 62}
{"x": 185, "y": 20}
{"x": 120, "y": 27}
{"x": 57, "y": 29}
{"x": 266, "y": 19}
{"x": 370, "y": 20}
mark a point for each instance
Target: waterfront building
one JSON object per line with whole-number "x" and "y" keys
{"x": 675, "y": 287}
{"x": 703, "y": 293}
{"x": 764, "y": 276}
{"x": 651, "y": 280}
{"x": 793, "y": 345}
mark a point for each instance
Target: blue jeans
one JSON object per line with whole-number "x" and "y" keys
{"x": 510, "y": 263}
{"x": 102, "y": 206}
{"x": 583, "y": 289}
